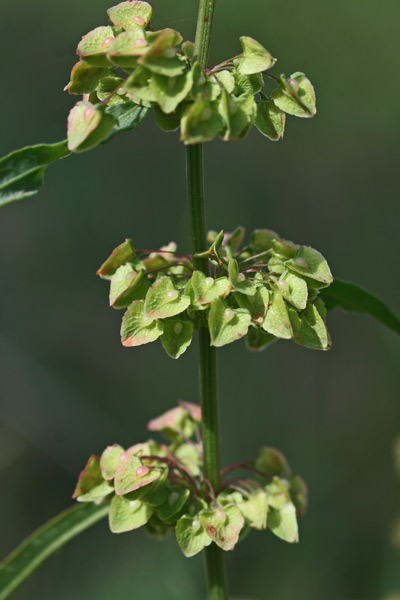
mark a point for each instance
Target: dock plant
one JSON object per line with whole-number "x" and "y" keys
{"x": 227, "y": 286}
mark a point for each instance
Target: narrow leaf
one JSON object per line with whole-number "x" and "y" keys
{"x": 21, "y": 172}
{"x": 353, "y": 298}
{"x": 44, "y": 542}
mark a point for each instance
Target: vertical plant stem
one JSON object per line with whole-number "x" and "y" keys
{"x": 215, "y": 557}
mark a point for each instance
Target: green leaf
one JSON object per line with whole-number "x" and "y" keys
{"x": 188, "y": 49}
{"x": 137, "y": 327}
{"x": 170, "y": 91}
{"x": 126, "y": 515}
{"x": 169, "y": 511}
{"x": 166, "y": 122}
{"x": 277, "y": 320}
{"x": 226, "y": 79}
{"x": 176, "y": 421}
{"x": 128, "y": 116}
{"x": 234, "y": 241}
{"x": 122, "y": 254}
{"x": 93, "y": 47}
{"x": 255, "y": 509}
{"x": 255, "y": 58}
{"x": 309, "y": 328}
{"x": 109, "y": 461}
{"x": 45, "y": 542}
{"x": 107, "y": 86}
{"x": 296, "y": 96}
{"x": 222, "y": 525}
{"x": 277, "y": 493}
{"x": 163, "y": 300}
{"x": 256, "y": 305}
{"x": 227, "y": 325}
{"x": 85, "y": 78}
{"x": 257, "y": 339}
{"x": 159, "y": 58}
{"x": 239, "y": 281}
{"x": 206, "y": 289}
{"x": 138, "y": 87}
{"x": 131, "y": 14}
{"x": 261, "y": 240}
{"x": 270, "y": 120}
{"x": 88, "y": 126}
{"x": 200, "y": 122}
{"x": 191, "y": 535}
{"x": 234, "y": 116}
{"x": 126, "y": 286}
{"x": 283, "y": 523}
{"x": 22, "y": 171}
{"x": 177, "y": 336}
{"x": 299, "y": 494}
{"x": 251, "y": 84}
{"x": 89, "y": 478}
{"x": 350, "y": 297}
{"x": 293, "y": 289}
{"x": 310, "y": 263}
{"x": 272, "y": 461}
{"x": 190, "y": 456}
{"x": 127, "y": 47}
{"x": 131, "y": 474}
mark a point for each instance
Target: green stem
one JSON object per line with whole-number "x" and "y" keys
{"x": 215, "y": 557}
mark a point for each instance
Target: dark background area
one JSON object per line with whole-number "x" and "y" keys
{"x": 68, "y": 388}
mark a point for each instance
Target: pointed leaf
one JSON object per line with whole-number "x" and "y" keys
{"x": 137, "y": 328}
{"x": 89, "y": 478}
{"x": 222, "y": 525}
{"x": 130, "y": 15}
{"x": 191, "y": 535}
{"x": 227, "y": 325}
{"x": 177, "y": 336}
{"x": 22, "y": 171}
{"x": 45, "y": 542}
{"x": 255, "y": 58}
{"x": 126, "y": 515}
{"x": 350, "y": 297}
{"x": 296, "y": 97}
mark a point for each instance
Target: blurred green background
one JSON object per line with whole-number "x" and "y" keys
{"x": 68, "y": 388}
